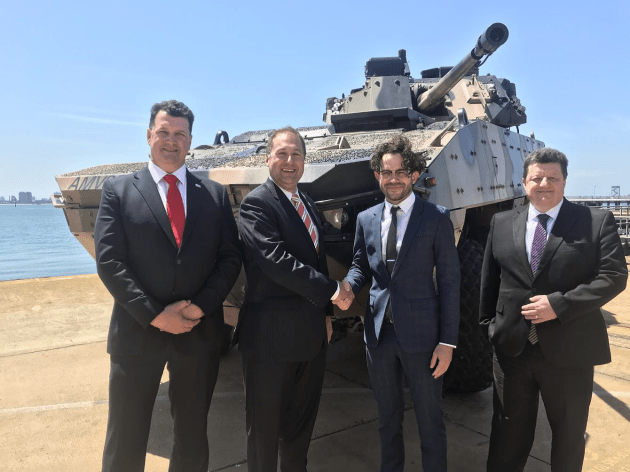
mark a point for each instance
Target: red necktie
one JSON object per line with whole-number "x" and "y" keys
{"x": 310, "y": 227}
{"x": 175, "y": 208}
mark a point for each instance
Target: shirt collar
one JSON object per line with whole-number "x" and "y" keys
{"x": 405, "y": 205}
{"x": 158, "y": 174}
{"x": 553, "y": 213}
{"x": 287, "y": 193}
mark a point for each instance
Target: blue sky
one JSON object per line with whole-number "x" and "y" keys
{"x": 78, "y": 78}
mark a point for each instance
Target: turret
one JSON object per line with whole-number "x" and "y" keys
{"x": 392, "y": 99}
{"x": 495, "y": 36}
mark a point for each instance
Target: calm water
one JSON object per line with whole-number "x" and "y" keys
{"x": 35, "y": 242}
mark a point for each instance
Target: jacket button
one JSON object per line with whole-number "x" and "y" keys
{"x": 179, "y": 261}
{"x": 534, "y": 291}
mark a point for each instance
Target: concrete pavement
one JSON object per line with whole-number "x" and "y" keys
{"x": 53, "y": 396}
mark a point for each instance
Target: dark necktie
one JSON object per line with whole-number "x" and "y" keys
{"x": 310, "y": 227}
{"x": 390, "y": 251}
{"x": 175, "y": 208}
{"x": 538, "y": 245}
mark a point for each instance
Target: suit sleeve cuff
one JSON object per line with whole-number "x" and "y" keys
{"x": 445, "y": 344}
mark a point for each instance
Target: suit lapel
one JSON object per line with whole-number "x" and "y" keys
{"x": 565, "y": 220}
{"x": 273, "y": 190}
{"x": 519, "y": 228}
{"x": 148, "y": 189}
{"x": 193, "y": 204}
{"x": 415, "y": 219}
{"x": 375, "y": 230}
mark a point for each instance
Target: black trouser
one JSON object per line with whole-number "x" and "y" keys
{"x": 133, "y": 386}
{"x": 566, "y": 394}
{"x": 282, "y": 400}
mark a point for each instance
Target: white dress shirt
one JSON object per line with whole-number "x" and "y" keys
{"x": 158, "y": 176}
{"x": 403, "y": 220}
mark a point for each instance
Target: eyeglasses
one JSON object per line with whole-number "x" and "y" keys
{"x": 400, "y": 174}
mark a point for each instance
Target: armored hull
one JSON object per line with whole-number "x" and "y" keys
{"x": 463, "y": 129}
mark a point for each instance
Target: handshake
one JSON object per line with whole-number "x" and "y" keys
{"x": 345, "y": 296}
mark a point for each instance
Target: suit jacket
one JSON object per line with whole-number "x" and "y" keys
{"x": 139, "y": 262}
{"x": 582, "y": 268}
{"x": 422, "y": 319}
{"x": 288, "y": 292}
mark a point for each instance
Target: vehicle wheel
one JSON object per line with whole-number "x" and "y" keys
{"x": 471, "y": 367}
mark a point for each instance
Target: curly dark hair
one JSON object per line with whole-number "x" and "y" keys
{"x": 546, "y": 156}
{"x": 399, "y": 144}
{"x": 286, "y": 129}
{"x": 172, "y": 108}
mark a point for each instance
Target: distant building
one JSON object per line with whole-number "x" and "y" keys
{"x": 25, "y": 197}
{"x": 12, "y": 199}
{"x": 2, "y": 200}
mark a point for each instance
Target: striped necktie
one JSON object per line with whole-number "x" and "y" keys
{"x": 538, "y": 245}
{"x": 310, "y": 227}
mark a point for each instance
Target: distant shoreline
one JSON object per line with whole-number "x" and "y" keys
{"x": 45, "y": 278}
{"x": 18, "y": 203}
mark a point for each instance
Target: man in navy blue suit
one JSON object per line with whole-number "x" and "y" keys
{"x": 410, "y": 331}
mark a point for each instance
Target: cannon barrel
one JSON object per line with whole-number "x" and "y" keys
{"x": 494, "y": 36}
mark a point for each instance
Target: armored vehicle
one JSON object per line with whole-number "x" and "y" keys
{"x": 460, "y": 121}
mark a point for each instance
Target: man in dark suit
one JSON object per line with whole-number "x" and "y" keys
{"x": 282, "y": 329}
{"x": 167, "y": 250}
{"x": 410, "y": 331}
{"x": 548, "y": 268}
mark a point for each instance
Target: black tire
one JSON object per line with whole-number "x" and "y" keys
{"x": 471, "y": 367}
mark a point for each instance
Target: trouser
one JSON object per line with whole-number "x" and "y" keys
{"x": 133, "y": 386}
{"x": 566, "y": 393}
{"x": 282, "y": 400}
{"x": 388, "y": 365}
